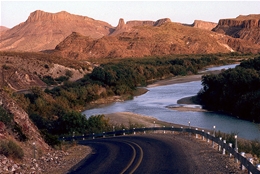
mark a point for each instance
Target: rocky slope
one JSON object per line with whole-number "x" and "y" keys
{"x": 149, "y": 40}
{"x": 21, "y": 71}
{"x": 43, "y": 31}
{"x": 3, "y": 28}
{"x": 244, "y": 27}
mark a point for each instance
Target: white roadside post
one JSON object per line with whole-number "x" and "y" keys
{"x": 243, "y": 154}
{"x": 230, "y": 154}
{"x": 224, "y": 150}
{"x": 172, "y": 130}
{"x": 251, "y": 160}
{"x": 93, "y": 136}
{"x": 214, "y": 129}
{"x": 134, "y": 130}
{"x": 219, "y": 146}
{"x": 236, "y": 148}
{"x": 114, "y": 131}
{"x": 196, "y": 135}
{"x": 154, "y": 126}
{"x": 208, "y": 137}
{"x": 189, "y": 129}
{"x": 164, "y": 129}
{"x": 258, "y": 167}
{"x": 203, "y": 135}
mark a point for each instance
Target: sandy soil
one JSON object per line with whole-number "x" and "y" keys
{"x": 128, "y": 118}
{"x": 175, "y": 80}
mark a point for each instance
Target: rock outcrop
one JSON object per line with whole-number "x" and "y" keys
{"x": 203, "y": 25}
{"x": 129, "y": 25}
{"x": 43, "y": 31}
{"x": 244, "y": 27}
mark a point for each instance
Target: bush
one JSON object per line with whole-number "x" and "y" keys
{"x": 11, "y": 149}
{"x": 5, "y": 117}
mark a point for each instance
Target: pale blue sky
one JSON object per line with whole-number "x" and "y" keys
{"x": 15, "y": 12}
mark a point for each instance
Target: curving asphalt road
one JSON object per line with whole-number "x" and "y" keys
{"x": 135, "y": 154}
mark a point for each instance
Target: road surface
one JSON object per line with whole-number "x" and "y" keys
{"x": 150, "y": 154}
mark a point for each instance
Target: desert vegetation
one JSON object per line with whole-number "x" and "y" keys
{"x": 10, "y": 149}
{"x": 56, "y": 112}
{"x": 234, "y": 91}
{"x": 252, "y": 147}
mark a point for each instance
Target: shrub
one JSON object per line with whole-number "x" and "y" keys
{"x": 5, "y": 117}
{"x": 11, "y": 149}
{"x": 6, "y": 67}
{"x": 69, "y": 73}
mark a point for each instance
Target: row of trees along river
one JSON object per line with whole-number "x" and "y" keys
{"x": 57, "y": 112}
{"x": 234, "y": 91}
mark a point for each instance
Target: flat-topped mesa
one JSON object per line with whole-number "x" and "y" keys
{"x": 162, "y": 21}
{"x": 243, "y": 27}
{"x": 249, "y": 21}
{"x": 39, "y": 15}
{"x": 122, "y": 26}
{"x": 139, "y": 23}
{"x": 134, "y": 23}
{"x": 204, "y": 24}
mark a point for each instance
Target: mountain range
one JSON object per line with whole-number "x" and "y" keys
{"x": 80, "y": 37}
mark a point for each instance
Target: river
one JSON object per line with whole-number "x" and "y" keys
{"x": 155, "y": 101}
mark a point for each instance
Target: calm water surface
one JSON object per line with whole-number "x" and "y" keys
{"x": 155, "y": 101}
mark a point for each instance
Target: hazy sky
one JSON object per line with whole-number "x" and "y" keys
{"x": 15, "y": 12}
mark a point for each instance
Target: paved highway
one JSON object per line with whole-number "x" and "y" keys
{"x": 135, "y": 154}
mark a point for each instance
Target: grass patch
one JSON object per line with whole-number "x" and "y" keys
{"x": 10, "y": 149}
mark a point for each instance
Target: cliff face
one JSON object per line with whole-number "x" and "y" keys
{"x": 244, "y": 27}
{"x": 43, "y": 31}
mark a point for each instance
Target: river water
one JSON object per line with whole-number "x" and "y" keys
{"x": 155, "y": 101}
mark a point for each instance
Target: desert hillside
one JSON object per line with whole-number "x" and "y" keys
{"x": 96, "y": 39}
{"x": 2, "y": 28}
{"x": 149, "y": 40}
{"x": 20, "y": 71}
{"x": 43, "y": 31}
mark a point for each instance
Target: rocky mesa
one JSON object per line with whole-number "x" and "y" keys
{"x": 43, "y": 31}
{"x": 244, "y": 27}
